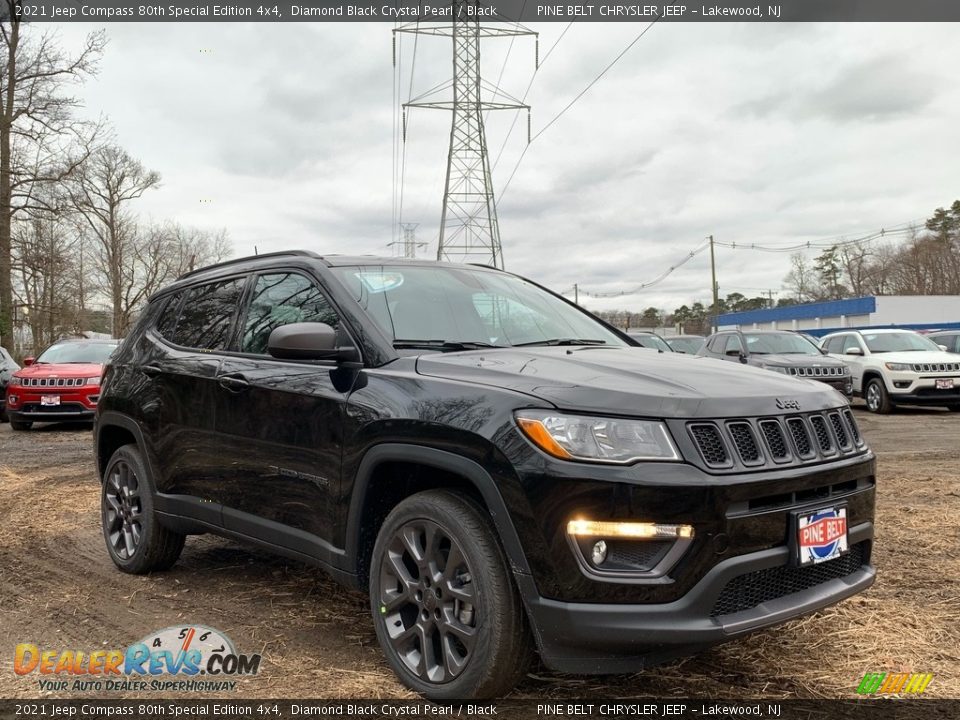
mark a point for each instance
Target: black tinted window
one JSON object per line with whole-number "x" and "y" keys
{"x": 207, "y": 315}
{"x": 282, "y": 299}
{"x": 168, "y": 316}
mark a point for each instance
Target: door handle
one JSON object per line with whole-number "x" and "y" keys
{"x": 150, "y": 370}
{"x": 233, "y": 383}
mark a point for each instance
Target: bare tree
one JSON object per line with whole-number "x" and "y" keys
{"x": 101, "y": 191}
{"x": 43, "y": 253}
{"x": 801, "y": 280}
{"x": 41, "y": 141}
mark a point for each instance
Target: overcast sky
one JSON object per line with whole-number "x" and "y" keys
{"x": 284, "y": 133}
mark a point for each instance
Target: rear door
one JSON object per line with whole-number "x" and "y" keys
{"x": 281, "y": 421}
{"x": 181, "y": 365}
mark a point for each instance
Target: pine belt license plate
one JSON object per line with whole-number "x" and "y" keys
{"x": 49, "y": 400}
{"x": 945, "y": 384}
{"x": 821, "y": 535}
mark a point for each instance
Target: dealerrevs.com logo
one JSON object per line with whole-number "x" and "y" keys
{"x": 184, "y": 658}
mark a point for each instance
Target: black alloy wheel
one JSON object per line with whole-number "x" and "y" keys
{"x": 428, "y": 601}
{"x": 137, "y": 543}
{"x": 445, "y": 608}
{"x": 123, "y": 518}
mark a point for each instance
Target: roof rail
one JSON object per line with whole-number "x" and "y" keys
{"x": 248, "y": 258}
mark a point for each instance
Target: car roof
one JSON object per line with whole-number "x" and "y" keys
{"x": 251, "y": 263}
{"x": 86, "y": 341}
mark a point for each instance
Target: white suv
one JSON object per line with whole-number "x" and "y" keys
{"x": 892, "y": 367}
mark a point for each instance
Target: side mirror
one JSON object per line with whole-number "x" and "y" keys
{"x": 943, "y": 348}
{"x": 307, "y": 341}
{"x": 853, "y": 351}
{"x": 27, "y": 361}
{"x": 733, "y": 353}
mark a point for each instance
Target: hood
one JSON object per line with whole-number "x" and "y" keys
{"x": 796, "y": 360}
{"x": 628, "y": 381}
{"x": 60, "y": 370}
{"x": 917, "y": 356}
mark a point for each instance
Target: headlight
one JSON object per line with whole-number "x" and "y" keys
{"x": 15, "y": 381}
{"x": 92, "y": 380}
{"x": 897, "y": 367}
{"x": 776, "y": 368}
{"x": 597, "y": 439}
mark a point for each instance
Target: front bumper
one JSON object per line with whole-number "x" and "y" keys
{"x": 71, "y": 412}
{"x": 914, "y": 389}
{"x": 599, "y": 638}
{"x": 77, "y": 404}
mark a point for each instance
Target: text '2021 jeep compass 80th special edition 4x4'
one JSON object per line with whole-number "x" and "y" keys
{"x": 502, "y": 471}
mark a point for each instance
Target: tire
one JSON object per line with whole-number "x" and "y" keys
{"x": 954, "y": 408}
{"x": 137, "y": 543}
{"x": 877, "y": 398}
{"x": 416, "y": 597}
{"x": 18, "y": 426}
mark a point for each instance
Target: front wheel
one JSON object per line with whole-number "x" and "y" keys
{"x": 878, "y": 400}
{"x": 445, "y": 609}
{"x": 954, "y": 408}
{"x": 20, "y": 426}
{"x": 137, "y": 543}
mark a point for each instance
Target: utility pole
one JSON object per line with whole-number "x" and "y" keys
{"x": 713, "y": 279}
{"x": 576, "y": 294}
{"x": 469, "y": 229}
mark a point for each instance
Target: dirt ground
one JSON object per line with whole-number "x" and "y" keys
{"x": 60, "y": 590}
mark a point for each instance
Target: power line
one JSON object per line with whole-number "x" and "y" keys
{"x": 526, "y": 92}
{"x": 403, "y": 157}
{"x": 573, "y": 102}
{"x": 840, "y": 241}
{"x": 650, "y": 283}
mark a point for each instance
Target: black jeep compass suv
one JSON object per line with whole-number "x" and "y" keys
{"x": 501, "y": 470}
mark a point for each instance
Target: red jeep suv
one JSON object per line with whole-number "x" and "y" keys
{"x": 61, "y": 385}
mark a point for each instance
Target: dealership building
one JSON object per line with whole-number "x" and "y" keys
{"x": 916, "y": 312}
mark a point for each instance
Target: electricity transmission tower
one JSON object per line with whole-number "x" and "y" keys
{"x": 469, "y": 231}
{"x": 408, "y": 246}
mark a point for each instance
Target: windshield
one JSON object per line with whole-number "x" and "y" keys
{"x": 652, "y": 341}
{"x": 77, "y": 352}
{"x": 779, "y": 344}
{"x": 898, "y": 342}
{"x": 433, "y": 305}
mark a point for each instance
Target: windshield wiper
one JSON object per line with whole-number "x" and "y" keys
{"x": 562, "y": 341}
{"x": 402, "y": 344}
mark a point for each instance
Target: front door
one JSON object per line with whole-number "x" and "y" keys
{"x": 281, "y": 422}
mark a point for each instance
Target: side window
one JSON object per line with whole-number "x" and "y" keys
{"x": 167, "y": 321}
{"x": 207, "y": 315}
{"x": 849, "y": 341}
{"x": 733, "y": 344}
{"x": 716, "y": 344}
{"x": 833, "y": 345}
{"x": 281, "y": 299}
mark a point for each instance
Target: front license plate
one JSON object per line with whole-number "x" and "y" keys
{"x": 945, "y": 384}
{"x": 49, "y": 400}
{"x": 822, "y": 535}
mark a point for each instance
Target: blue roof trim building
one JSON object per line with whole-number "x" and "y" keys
{"x": 807, "y": 311}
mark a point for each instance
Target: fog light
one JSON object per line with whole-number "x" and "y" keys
{"x": 13, "y": 399}
{"x": 592, "y": 528}
{"x": 599, "y": 553}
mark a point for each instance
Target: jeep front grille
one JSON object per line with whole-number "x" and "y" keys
{"x": 936, "y": 367}
{"x": 750, "y": 443}
{"x": 830, "y": 371}
{"x": 52, "y": 382}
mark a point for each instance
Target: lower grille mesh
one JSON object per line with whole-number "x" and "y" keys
{"x": 747, "y": 591}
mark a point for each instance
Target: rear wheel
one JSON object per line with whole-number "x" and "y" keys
{"x": 20, "y": 425}
{"x": 878, "y": 400}
{"x": 137, "y": 543}
{"x": 445, "y": 609}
